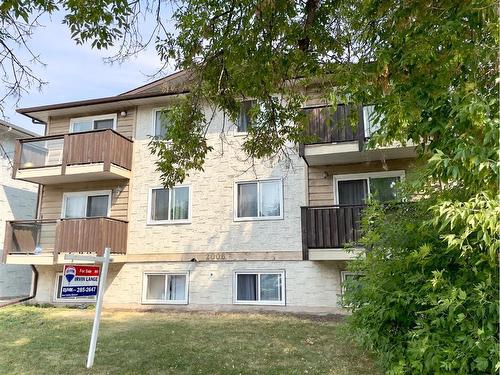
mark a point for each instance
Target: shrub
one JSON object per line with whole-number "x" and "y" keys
{"x": 427, "y": 297}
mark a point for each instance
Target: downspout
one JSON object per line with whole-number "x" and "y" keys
{"x": 33, "y": 290}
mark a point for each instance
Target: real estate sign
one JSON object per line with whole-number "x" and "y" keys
{"x": 80, "y": 281}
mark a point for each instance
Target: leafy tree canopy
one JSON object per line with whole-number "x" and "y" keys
{"x": 429, "y": 66}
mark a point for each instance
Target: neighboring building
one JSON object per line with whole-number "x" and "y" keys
{"x": 17, "y": 202}
{"x": 231, "y": 237}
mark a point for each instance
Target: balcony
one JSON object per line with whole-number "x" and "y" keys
{"x": 337, "y": 141}
{"x": 326, "y": 229}
{"x": 88, "y": 156}
{"x": 46, "y": 241}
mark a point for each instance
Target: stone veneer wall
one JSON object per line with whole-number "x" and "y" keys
{"x": 309, "y": 286}
{"x": 213, "y": 228}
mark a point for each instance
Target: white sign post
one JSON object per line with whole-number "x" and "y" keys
{"x": 100, "y": 296}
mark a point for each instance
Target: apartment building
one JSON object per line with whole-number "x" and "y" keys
{"x": 17, "y": 202}
{"x": 236, "y": 236}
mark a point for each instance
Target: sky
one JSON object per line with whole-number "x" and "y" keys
{"x": 76, "y": 72}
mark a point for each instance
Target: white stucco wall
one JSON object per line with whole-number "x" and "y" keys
{"x": 17, "y": 201}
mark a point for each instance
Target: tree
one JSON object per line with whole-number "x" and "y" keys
{"x": 430, "y": 68}
{"x": 102, "y": 23}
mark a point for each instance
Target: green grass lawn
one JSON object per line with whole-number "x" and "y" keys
{"x": 37, "y": 340}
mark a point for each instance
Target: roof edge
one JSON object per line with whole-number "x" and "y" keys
{"x": 152, "y": 83}
{"x": 18, "y": 128}
{"x": 104, "y": 100}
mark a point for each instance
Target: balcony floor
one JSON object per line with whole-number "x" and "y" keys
{"x": 349, "y": 153}
{"x": 333, "y": 254}
{"x": 74, "y": 173}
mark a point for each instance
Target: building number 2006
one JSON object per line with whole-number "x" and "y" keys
{"x": 216, "y": 256}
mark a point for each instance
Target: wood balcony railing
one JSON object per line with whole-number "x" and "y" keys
{"x": 329, "y": 227}
{"x": 326, "y": 125}
{"x": 100, "y": 146}
{"x": 86, "y": 235}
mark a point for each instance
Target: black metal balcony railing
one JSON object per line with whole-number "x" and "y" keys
{"x": 328, "y": 227}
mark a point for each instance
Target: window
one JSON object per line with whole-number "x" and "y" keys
{"x": 266, "y": 288}
{"x": 58, "y": 290}
{"x": 165, "y": 288}
{"x": 244, "y": 116}
{"x": 84, "y": 124}
{"x": 347, "y": 276}
{"x": 169, "y": 205}
{"x": 86, "y": 204}
{"x": 259, "y": 200}
{"x": 371, "y": 125}
{"x": 355, "y": 189}
{"x": 160, "y": 123}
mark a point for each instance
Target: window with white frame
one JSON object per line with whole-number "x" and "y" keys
{"x": 83, "y": 124}
{"x": 169, "y": 205}
{"x": 261, "y": 199}
{"x": 244, "y": 116}
{"x": 356, "y": 189}
{"x": 58, "y": 291}
{"x": 260, "y": 287}
{"x": 371, "y": 123}
{"x": 165, "y": 288}
{"x": 86, "y": 204}
{"x": 160, "y": 123}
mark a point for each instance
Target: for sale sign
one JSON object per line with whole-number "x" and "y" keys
{"x": 80, "y": 281}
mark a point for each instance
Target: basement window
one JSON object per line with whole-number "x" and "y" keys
{"x": 165, "y": 288}
{"x": 260, "y": 288}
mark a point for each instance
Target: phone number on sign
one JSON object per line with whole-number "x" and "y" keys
{"x": 80, "y": 289}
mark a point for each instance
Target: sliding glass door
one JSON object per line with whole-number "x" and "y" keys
{"x": 357, "y": 190}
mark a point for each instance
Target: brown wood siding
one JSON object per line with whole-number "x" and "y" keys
{"x": 320, "y": 178}
{"x": 51, "y": 202}
{"x": 124, "y": 125}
